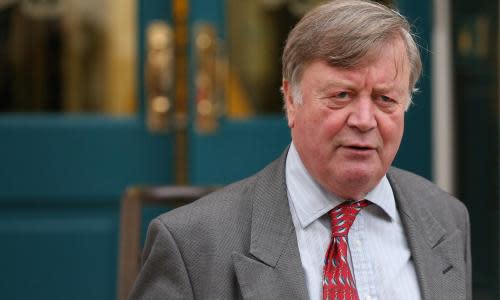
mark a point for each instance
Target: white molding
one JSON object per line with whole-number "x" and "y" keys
{"x": 443, "y": 129}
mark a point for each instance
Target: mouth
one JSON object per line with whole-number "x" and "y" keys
{"x": 360, "y": 147}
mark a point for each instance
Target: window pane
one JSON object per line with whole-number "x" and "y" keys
{"x": 257, "y": 30}
{"x": 68, "y": 56}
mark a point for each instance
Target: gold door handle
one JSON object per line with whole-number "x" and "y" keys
{"x": 210, "y": 79}
{"x": 159, "y": 75}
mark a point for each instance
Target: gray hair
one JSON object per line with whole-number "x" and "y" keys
{"x": 346, "y": 33}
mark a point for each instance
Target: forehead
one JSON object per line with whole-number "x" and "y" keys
{"x": 387, "y": 65}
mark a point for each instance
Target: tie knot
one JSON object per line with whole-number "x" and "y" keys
{"x": 344, "y": 214}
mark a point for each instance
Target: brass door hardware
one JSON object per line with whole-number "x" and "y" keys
{"x": 159, "y": 76}
{"x": 210, "y": 78}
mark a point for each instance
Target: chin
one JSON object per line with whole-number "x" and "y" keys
{"x": 358, "y": 172}
{"x": 356, "y": 178}
{"x": 358, "y": 181}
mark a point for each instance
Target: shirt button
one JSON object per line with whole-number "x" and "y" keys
{"x": 367, "y": 297}
{"x": 358, "y": 244}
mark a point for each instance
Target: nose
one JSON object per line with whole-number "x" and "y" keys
{"x": 362, "y": 115}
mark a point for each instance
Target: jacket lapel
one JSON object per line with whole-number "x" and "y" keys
{"x": 433, "y": 248}
{"x": 272, "y": 270}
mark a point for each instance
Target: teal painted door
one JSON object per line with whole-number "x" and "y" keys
{"x": 240, "y": 147}
{"x": 61, "y": 178}
{"x": 62, "y": 175}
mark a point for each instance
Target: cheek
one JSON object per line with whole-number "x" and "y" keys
{"x": 391, "y": 129}
{"x": 332, "y": 124}
{"x": 312, "y": 130}
{"x": 319, "y": 126}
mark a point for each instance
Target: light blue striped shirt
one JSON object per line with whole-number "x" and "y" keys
{"x": 379, "y": 255}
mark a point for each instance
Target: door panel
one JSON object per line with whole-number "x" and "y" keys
{"x": 64, "y": 157}
{"x": 61, "y": 181}
{"x": 237, "y": 150}
{"x": 55, "y": 250}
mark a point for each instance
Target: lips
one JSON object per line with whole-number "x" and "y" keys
{"x": 358, "y": 150}
{"x": 360, "y": 147}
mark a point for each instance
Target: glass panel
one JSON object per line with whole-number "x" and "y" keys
{"x": 476, "y": 89}
{"x": 257, "y": 30}
{"x": 68, "y": 56}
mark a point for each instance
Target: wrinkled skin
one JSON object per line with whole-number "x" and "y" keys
{"x": 349, "y": 126}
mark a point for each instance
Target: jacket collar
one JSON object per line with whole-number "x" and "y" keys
{"x": 273, "y": 269}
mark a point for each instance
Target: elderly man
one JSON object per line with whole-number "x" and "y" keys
{"x": 330, "y": 219}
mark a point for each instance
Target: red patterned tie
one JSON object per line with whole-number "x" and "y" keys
{"x": 338, "y": 282}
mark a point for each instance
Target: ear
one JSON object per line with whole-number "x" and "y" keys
{"x": 291, "y": 105}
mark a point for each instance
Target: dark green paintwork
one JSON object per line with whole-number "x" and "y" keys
{"x": 415, "y": 153}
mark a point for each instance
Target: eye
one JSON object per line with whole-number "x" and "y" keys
{"x": 337, "y": 99}
{"x": 386, "y": 103}
{"x": 342, "y": 95}
{"x": 386, "y": 99}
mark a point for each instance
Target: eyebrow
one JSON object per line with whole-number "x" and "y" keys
{"x": 350, "y": 85}
{"x": 389, "y": 88}
{"x": 336, "y": 84}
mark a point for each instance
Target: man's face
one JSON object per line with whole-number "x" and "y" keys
{"x": 350, "y": 123}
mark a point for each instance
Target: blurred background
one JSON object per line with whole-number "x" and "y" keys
{"x": 100, "y": 95}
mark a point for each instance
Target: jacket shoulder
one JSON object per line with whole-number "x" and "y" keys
{"x": 212, "y": 208}
{"x": 426, "y": 194}
{"x": 230, "y": 201}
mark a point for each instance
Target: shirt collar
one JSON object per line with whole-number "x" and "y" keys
{"x": 311, "y": 200}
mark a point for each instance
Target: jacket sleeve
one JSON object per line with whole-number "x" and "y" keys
{"x": 163, "y": 274}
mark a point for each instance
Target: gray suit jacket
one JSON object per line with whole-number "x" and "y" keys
{"x": 240, "y": 242}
